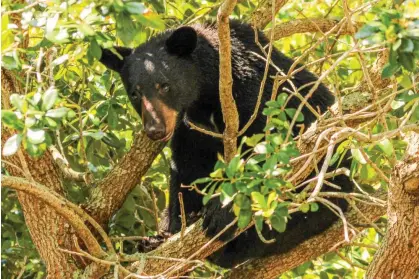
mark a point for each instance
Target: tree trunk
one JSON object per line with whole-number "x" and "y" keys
{"x": 398, "y": 256}
{"x": 48, "y": 230}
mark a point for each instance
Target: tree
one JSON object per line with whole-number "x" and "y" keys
{"x": 90, "y": 184}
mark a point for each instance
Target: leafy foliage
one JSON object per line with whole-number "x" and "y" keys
{"x": 68, "y": 99}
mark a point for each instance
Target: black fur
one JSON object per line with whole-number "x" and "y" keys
{"x": 187, "y": 60}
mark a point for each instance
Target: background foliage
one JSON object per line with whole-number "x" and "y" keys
{"x": 79, "y": 106}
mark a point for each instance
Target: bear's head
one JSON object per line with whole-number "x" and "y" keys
{"x": 160, "y": 77}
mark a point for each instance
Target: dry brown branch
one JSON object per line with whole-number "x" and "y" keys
{"x": 402, "y": 238}
{"x": 228, "y": 104}
{"x": 311, "y": 25}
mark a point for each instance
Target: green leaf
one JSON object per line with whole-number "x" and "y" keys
{"x": 242, "y": 201}
{"x": 30, "y": 121}
{"x": 259, "y": 222}
{"x": 407, "y": 60}
{"x": 305, "y": 207}
{"x": 366, "y": 31}
{"x": 260, "y": 199}
{"x": 95, "y": 49}
{"x": 357, "y": 155}
{"x": 12, "y": 145}
{"x": 9, "y": 118}
{"x": 17, "y": 101}
{"x": 386, "y": 146}
{"x": 260, "y": 148}
{"x": 49, "y": 98}
{"x": 389, "y": 70}
{"x": 244, "y": 218}
{"x": 291, "y": 113}
{"x": 50, "y": 122}
{"x": 278, "y": 223}
{"x": 407, "y": 46}
{"x": 233, "y": 167}
{"x": 314, "y": 207}
{"x": 60, "y": 60}
{"x": 281, "y": 99}
{"x": 96, "y": 135}
{"x": 406, "y": 81}
{"x": 35, "y": 136}
{"x": 135, "y": 7}
{"x": 202, "y": 180}
{"x": 227, "y": 193}
{"x": 57, "y": 113}
{"x": 253, "y": 140}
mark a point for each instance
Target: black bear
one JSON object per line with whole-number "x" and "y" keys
{"x": 173, "y": 78}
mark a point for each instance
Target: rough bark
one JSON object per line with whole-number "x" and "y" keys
{"x": 311, "y": 25}
{"x": 398, "y": 256}
{"x": 228, "y": 104}
{"x": 263, "y": 14}
{"x": 48, "y": 230}
{"x": 111, "y": 192}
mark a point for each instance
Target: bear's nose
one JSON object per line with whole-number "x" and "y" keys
{"x": 155, "y": 132}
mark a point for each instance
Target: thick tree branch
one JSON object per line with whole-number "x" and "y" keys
{"x": 46, "y": 227}
{"x": 110, "y": 193}
{"x": 402, "y": 238}
{"x": 311, "y": 25}
{"x": 228, "y": 104}
{"x": 60, "y": 205}
{"x": 263, "y": 14}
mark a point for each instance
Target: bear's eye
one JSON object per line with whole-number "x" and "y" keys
{"x": 165, "y": 88}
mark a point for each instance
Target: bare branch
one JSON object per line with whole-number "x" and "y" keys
{"x": 228, "y": 104}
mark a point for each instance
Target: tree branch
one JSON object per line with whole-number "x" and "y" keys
{"x": 110, "y": 193}
{"x": 263, "y": 14}
{"x": 402, "y": 238}
{"x": 60, "y": 205}
{"x": 228, "y": 104}
{"x": 312, "y": 25}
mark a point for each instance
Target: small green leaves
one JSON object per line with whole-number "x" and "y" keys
{"x": 233, "y": 167}
{"x": 49, "y": 98}
{"x": 278, "y": 223}
{"x": 35, "y": 136}
{"x": 244, "y": 218}
{"x": 12, "y": 145}
{"x": 305, "y": 207}
{"x": 57, "y": 113}
{"x": 17, "y": 101}
{"x": 135, "y": 7}
{"x": 357, "y": 155}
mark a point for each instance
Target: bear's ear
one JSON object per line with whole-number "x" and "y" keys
{"x": 182, "y": 41}
{"x": 112, "y": 61}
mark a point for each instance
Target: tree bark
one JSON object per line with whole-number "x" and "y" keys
{"x": 398, "y": 256}
{"x": 110, "y": 194}
{"x": 49, "y": 231}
